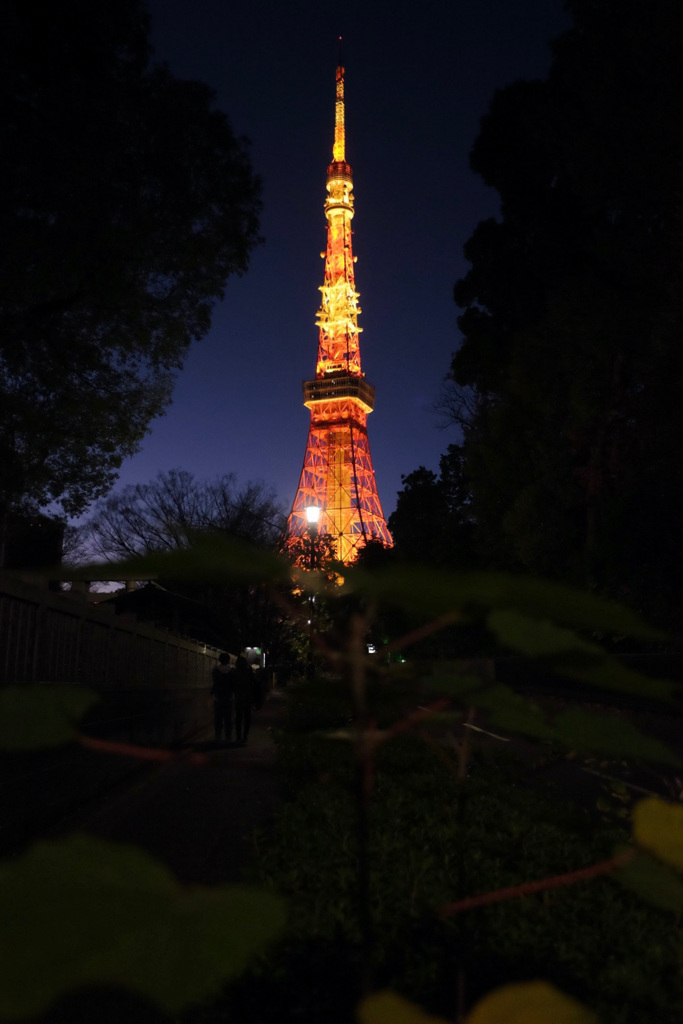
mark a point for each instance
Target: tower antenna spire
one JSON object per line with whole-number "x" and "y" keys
{"x": 339, "y": 148}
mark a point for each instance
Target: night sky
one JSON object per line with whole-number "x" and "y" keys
{"x": 419, "y": 77}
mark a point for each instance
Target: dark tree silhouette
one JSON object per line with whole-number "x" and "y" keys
{"x": 126, "y": 201}
{"x": 174, "y": 508}
{"x": 572, "y": 311}
{"x": 432, "y": 520}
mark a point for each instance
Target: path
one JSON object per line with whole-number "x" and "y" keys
{"x": 198, "y": 819}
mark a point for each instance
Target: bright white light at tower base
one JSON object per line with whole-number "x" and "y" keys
{"x": 312, "y": 515}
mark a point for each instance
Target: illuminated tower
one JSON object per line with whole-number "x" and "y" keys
{"x": 337, "y": 474}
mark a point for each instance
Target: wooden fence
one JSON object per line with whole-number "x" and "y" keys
{"x": 48, "y": 636}
{"x": 153, "y": 690}
{"x": 153, "y": 685}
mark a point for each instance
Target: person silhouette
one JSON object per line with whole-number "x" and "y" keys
{"x": 222, "y": 691}
{"x": 243, "y": 686}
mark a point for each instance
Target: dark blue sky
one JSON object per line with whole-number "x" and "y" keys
{"x": 419, "y": 77}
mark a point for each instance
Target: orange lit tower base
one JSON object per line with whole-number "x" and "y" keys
{"x": 337, "y": 474}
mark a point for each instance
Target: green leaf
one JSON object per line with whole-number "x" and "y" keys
{"x": 505, "y": 708}
{"x": 588, "y": 732}
{"x": 654, "y": 882}
{"x": 509, "y": 710}
{"x": 448, "y": 680}
{"x": 388, "y": 1008}
{"x": 37, "y": 716}
{"x": 610, "y": 674}
{"x": 532, "y": 1002}
{"x": 81, "y": 912}
{"x": 562, "y": 651}
{"x": 658, "y": 827}
{"x": 213, "y": 557}
{"x": 539, "y": 638}
{"x": 436, "y": 592}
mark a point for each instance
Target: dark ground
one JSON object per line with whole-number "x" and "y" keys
{"x": 200, "y": 819}
{"x": 197, "y": 819}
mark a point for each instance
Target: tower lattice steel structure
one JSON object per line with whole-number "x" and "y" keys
{"x": 337, "y": 474}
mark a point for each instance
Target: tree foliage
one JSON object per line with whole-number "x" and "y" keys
{"x": 169, "y": 514}
{"x": 572, "y": 310}
{"x": 126, "y": 201}
{"x": 315, "y": 552}
{"x": 175, "y": 507}
{"x": 432, "y": 522}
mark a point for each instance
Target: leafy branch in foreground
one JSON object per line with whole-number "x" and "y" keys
{"x": 534, "y": 1002}
{"x": 40, "y": 717}
{"x": 91, "y": 912}
{"x": 551, "y": 624}
{"x": 531, "y": 619}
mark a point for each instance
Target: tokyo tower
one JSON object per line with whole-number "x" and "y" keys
{"x": 337, "y": 475}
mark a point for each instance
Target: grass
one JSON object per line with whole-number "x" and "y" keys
{"x": 431, "y": 841}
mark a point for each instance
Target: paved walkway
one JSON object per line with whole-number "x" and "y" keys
{"x": 198, "y": 819}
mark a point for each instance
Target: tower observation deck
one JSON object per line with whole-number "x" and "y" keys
{"x": 337, "y": 474}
